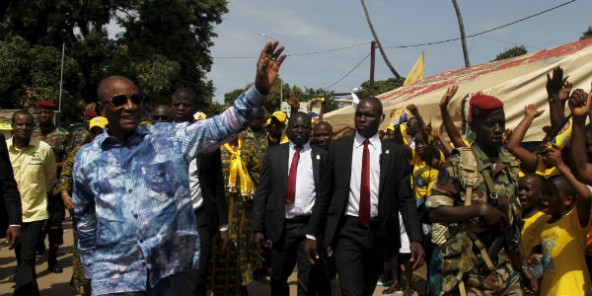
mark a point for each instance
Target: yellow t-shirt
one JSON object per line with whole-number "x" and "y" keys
{"x": 564, "y": 245}
{"x": 424, "y": 177}
{"x": 532, "y": 231}
{"x": 35, "y": 174}
{"x": 542, "y": 169}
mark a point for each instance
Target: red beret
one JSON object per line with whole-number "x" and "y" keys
{"x": 45, "y": 104}
{"x": 482, "y": 104}
{"x": 89, "y": 113}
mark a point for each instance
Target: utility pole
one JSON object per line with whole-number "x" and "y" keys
{"x": 388, "y": 63}
{"x": 463, "y": 38}
{"x": 372, "y": 62}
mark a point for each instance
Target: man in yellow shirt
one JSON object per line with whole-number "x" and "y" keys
{"x": 34, "y": 166}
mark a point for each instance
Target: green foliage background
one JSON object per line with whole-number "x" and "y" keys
{"x": 164, "y": 45}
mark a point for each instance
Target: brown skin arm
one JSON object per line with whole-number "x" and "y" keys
{"x": 451, "y": 129}
{"x": 554, "y": 85}
{"x": 528, "y": 160}
{"x": 399, "y": 140}
{"x": 580, "y": 105}
{"x": 449, "y": 214}
{"x": 583, "y": 193}
{"x": 422, "y": 125}
{"x": 443, "y": 142}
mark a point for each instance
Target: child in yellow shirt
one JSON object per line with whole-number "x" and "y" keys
{"x": 563, "y": 238}
{"x": 530, "y": 193}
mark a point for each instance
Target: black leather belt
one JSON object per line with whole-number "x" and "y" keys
{"x": 299, "y": 219}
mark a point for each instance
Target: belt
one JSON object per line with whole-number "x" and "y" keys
{"x": 299, "y": 219}
{"x": 355, "y": 221}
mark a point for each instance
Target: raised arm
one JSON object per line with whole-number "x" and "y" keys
{"x": 451, "y": 130}
{"x": 528, "y": 160}
{"x": 422, "y": 125}
{"x": 210, "y": 133}
{"x": 555, "y": 91}
{"x": 580, "y": 104}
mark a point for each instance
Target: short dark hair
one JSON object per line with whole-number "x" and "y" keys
{"x": 22, "y": 112}
{"x": 299, "y": 114}
{"x": 374, "y": 100}
{"x": 185, "y": 92}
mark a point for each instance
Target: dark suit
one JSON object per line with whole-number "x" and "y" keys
{"x": 289, "y": 235}
{"x": 10, "y": 199}
{"x": 360, "y": 250}
{"x": 213, "y": 213}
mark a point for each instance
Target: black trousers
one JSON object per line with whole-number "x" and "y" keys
{"x": 26, "y": 278}
{"x": 358, "y": 264}
{"x": 205, "y": 243}
{"x": 285, "y": 253}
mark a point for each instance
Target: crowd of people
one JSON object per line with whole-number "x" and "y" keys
{"x": 200, "y": 204}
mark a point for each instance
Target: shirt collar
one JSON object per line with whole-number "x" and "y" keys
{"x": 359, "y": 140}
{"x": 305, "y": 146}
{"x": 105, "y": 138}
{"x": 34, "y": 142}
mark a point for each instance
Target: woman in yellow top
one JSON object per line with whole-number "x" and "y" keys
{"x": 231, "y": 271}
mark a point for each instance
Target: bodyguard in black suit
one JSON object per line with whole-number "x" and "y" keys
{"x": 362, "y": 221}
{"x": 10, "y": 199}
{"x": 290, "y": 205}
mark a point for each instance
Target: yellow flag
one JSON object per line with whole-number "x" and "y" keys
{"x": 416, "y": 73}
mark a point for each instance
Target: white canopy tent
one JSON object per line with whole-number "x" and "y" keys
{"x": 517, "y": 82}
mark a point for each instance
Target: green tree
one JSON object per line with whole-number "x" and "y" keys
{"x": 586, "y": 34}
{"x": 231, "y": 96}
{"x": 380, "y": 87}
{"x": 181, "y": 31}
{"x": 510, "y": 53}
{"x": 165, "y": 45}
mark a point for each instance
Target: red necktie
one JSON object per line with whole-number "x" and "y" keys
{"x": 291, "y": 189}
{"x": 364, "y": 211}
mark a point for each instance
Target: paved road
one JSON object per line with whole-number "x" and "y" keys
{"x": 52, "y": 284}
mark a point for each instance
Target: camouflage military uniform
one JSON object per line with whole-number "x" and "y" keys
{"x": 78, "y": 136}
{"x": 461, "y": 258}
{"x": 58, "y": 139}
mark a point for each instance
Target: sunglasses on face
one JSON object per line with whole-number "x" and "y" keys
{"x": 160, "y": 117}
{"x": 120, "y": 100}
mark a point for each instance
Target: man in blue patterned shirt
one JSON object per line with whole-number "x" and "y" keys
{"x": 136, "y": 226}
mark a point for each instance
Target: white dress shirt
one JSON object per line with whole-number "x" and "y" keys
{"x": 195, "y": 188}
{"x": 375, "y": 149}
{"x": 305, "y": 186}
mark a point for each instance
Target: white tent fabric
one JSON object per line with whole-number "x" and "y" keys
{"x": 517, "y": 82}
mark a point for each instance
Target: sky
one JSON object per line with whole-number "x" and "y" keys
{"x": 326, "y": 39}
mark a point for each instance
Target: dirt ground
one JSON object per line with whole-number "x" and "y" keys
{"x": 52, "y": 284}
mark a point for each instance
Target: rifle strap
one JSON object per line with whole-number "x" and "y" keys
{"x": 469, "y": 171}
{"x": 482, "y": 250}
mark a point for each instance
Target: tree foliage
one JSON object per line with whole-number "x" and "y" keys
{"x": 510, "y": 53}
{"x": 164, "y": 45}
{"x": 587, "y": 34}
{"x": 380, "y": 86}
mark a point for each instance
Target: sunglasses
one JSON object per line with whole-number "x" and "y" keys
{"x": 120, "y": 100}
{"x": 160, "y": 117}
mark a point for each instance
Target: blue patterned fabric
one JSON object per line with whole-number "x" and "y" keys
{"x": 132, "y": 203}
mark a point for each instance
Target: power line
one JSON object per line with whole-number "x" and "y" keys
{"x": 415, "y": 45}
{"x": 486, "y": 31}
{"x": 303, "y": 53}
{"x": 347, "y": 74}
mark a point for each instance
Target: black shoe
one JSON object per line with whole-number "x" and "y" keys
{"x": 55, "y": 268}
